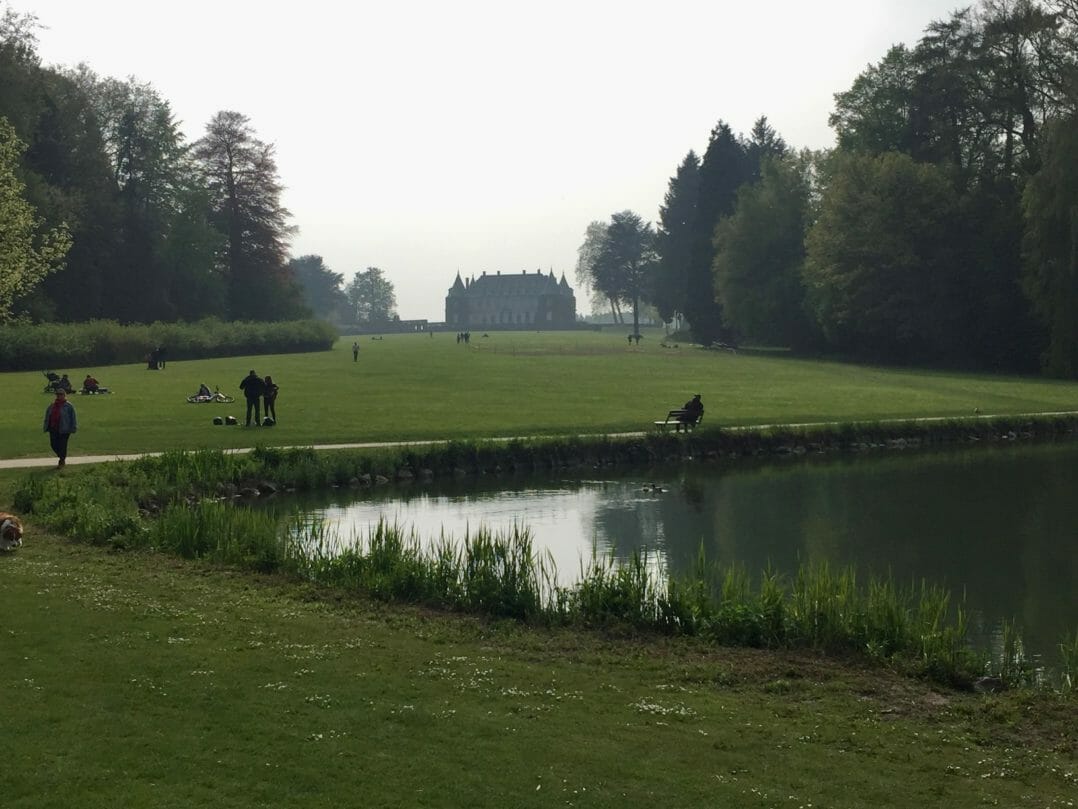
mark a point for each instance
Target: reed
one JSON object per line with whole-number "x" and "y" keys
{"x": 1068, "y": 654}
{"x": 170, "y": 503}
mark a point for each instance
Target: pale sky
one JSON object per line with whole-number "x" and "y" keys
{"x": 481, "y": 135}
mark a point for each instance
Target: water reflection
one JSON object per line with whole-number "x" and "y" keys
{"x": 999, "y": 525}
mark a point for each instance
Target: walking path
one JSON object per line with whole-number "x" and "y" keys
{"x": 72, "y": 460}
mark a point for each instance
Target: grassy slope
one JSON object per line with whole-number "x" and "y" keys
{"x": 140, "y": 681}
{"x": 416, "y": 387}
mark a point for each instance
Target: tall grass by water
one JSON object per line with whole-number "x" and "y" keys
{"x": 174, "y": 503}
{"x": 499, "y": 575}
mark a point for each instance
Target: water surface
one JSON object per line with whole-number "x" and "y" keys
{"x": 998, "y": 525}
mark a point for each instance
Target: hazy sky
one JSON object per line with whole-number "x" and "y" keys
{"x": 430, "y": 137}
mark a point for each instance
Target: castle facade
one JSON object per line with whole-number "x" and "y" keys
{"x": 498, "y": 301}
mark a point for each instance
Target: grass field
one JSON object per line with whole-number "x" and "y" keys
{"x": 414, "y": 386}
{"x": 139, "y": 681}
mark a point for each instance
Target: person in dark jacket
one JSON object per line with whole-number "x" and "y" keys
{"x": 253, "y": 388}
{"x": 60, "y": 423}
{"x": 269, "y": 398}
{"x": 694, "y": 410}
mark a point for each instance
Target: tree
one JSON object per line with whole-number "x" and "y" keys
{"x": 883, "y": 275}
{"x": 764, "y": 144}
{"x": 586, "y": 255}
{"x": 625, "y": 263}
{"x": 197, "y": 284}
{"x": 153, "y": 178}
{"x": 241, "y": 175}
{"x": 724, "y": 169}
{"x": 674, "y": 238}
{"x": 26, "y": 256}
{"x": 371, "y": 297}
{"x": 760, "y": 253}
{"x": 1051, "y": 269}
{"x": 321, "y": 286}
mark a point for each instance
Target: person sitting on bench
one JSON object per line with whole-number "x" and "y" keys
{"x": 694, "y": 410}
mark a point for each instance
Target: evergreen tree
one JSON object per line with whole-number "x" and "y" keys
{"x": 674, "y": 238}
{"x": 724, "y": 169}
{"x": 764, "y": 144}
{"x": 241, "y": 175}
{"x": 152, "y": 176}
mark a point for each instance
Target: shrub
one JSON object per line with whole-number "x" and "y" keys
{"x": 105, "y": 342}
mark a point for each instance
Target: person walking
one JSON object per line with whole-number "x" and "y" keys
{"x": 60, "y": 423}
{"x": 253, "y": 386}
{"x": 355, "y": 351}
{"x": 269, "y": 398}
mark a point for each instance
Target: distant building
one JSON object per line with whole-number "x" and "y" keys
{"x": 524, "y": 301}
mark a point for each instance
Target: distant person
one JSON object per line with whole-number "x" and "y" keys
{"x": 269, "y": 398}
{"x": 65, "y": 385}
{"x": 355, "y": 351}
{"x": 204, "y": 390}
{"x": 161, "y": 351}
{"x": 630, "y": 339}
{"x": 253, "y": 387}
{"x": 694, "y": 410}
{"x": 60, "y": 423}
{"x": 90, "y": 385}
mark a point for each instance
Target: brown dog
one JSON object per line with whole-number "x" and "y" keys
{"x": 10, "y": 531}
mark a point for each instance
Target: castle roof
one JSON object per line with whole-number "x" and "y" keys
{"x": 536, "y": 283}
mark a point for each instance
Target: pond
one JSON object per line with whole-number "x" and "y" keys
{"x": 999, "y": 525}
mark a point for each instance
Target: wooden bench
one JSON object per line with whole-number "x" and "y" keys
{"x": 677, "y": 420}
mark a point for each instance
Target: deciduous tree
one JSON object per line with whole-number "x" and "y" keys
{"x": 624, "y": 265}
{"x": 371, "y": 297}
{"x": 760, "y": 253}
{"x": 586, "y": 256}
{"x": 27, "y": 254}
{"x": 881, "y": 258}
{"x": 322, "y": 288}
{"x": 1051, "y": 274}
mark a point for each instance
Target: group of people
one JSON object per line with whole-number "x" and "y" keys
{"x": 89, "y": 384}
{"x": 155, "y": 360}
{"x": 258, "y": 391}
{"x": 464, "y": 337}
{"x": 61, "y": 421}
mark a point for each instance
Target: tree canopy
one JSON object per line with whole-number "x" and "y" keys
{"x": 371, "y": 297}
{"x": 27, "y": 254}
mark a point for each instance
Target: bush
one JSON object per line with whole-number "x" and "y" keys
{"x": 105, "y": 342}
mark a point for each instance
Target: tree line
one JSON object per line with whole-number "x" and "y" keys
{"x": 106, "y": 212}
{"x": 941, "y": 229}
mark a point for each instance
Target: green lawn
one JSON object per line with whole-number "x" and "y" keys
{"x": 139, "y": 681}
{"x": 413, "y": 386}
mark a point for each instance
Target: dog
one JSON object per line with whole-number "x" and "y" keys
{"x": 10, "y": 531}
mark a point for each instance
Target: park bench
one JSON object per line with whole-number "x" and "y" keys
{"x": 677, "y": 420}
